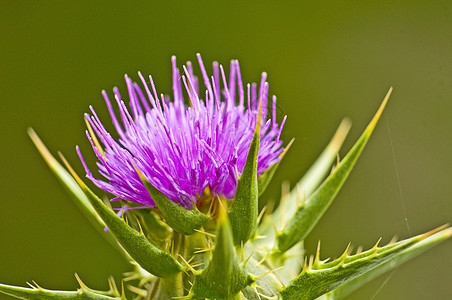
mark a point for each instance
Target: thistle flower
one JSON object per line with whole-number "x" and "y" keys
{"x": 180, "y": 154}
{"x": 183, "y": 150}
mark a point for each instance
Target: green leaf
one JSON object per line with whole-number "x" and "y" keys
{"x": 314, "y": 176}
{"x": 224, "y": 277}
{"x": 66, "y": 179}
{"x": 304, "y": 188}
{"x": 38, "y": 293}
{"x": 183, "y": 220}
{"x": 43, "y": 294}
{"x": 412, "y": 252}
{"x": 309, "y": 213}
{"x": 264, "y": 179}
{"x": 323, "y": 277}
{"x": 76, "y": 192}
{"x": 244, "y": 210}
{"x": 146, "y": 254}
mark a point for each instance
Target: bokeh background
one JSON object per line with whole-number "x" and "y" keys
{"x": 325, "y": 60}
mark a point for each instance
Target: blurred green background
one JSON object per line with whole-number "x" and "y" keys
{"x": 325, "y": 60}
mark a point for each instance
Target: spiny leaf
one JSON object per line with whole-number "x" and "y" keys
{"x": 80, "y": 199}
{"x": 304, "y": 188}
{"x": 404, "y": 256}
{"x": 224, "y": 277}
{"x": 306, "y": 216}
{"x": 66, "y": 179}
{"x": 323, "y": 277}
{"x": 38, "y": 293}
{"x": 244, "y": 210}
{"x": 316, "y": 173}
{"x": 264, "y": 179}
{"x": 146, "y": 254}
{"x": 183, "y": 220}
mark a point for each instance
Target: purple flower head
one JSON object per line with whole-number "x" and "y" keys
{"x": 183, "y": 150}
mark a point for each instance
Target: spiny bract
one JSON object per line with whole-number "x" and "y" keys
{"x": 187, "y": 179}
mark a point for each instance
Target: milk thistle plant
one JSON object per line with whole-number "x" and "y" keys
{"x": 186, "y": 176}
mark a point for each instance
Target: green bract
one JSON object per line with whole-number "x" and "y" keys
{"x": 230, "y": 250}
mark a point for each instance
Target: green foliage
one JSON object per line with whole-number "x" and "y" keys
{"x": 231, "y": 251}
{"x": 83, "y": 293}
{"x": 321, "y": 277}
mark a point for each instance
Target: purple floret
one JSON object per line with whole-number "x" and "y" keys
{"x": 180, "y": 149}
